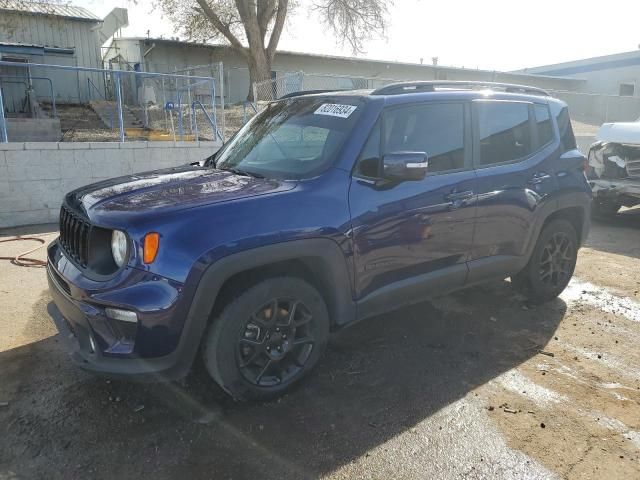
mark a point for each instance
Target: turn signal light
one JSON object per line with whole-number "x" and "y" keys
{"x": 150, "y": 248}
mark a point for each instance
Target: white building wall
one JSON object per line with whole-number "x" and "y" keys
{"x": 601, "y": 75}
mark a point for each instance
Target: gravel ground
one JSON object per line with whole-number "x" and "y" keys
{"x": 471, "y": 385}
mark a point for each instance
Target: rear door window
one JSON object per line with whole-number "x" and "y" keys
{"x": 504, "y": 131}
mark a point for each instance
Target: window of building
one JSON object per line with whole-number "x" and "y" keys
{"x": 627, "y": 89}
{"x": 543, "y": 123}
{"x": 505, "y": 134}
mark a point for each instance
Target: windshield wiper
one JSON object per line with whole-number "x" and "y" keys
{"x": 244, "y": 173}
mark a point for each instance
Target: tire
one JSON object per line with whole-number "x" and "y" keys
{"x": 254, "y": 355}
{"x": 551, "y": 265}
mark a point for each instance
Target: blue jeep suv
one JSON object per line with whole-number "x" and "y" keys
{"x": 326, "y": 208}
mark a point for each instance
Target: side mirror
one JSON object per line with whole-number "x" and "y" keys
{"x": 402, "y": 166}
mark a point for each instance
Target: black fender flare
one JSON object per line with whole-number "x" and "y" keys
{"x": 561, "y": 202}
{"x": 327, "y": 254}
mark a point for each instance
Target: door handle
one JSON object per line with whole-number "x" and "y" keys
{"x": 538, "y": 178}
{"x": 458, "y": 199}
{"x": 458, "y": 196}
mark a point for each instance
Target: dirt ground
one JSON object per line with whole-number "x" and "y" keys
{"x": 471, "y": 385}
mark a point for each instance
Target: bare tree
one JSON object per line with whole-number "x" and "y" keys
{"x": 253, "y": 27}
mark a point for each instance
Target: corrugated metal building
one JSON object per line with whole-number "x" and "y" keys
{"x": 48, "y": 34}
{"x": 166, "y": 55}
{"x": 617, "y": 74}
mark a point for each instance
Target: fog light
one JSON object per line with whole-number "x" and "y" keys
{"x": 122, "y": 315}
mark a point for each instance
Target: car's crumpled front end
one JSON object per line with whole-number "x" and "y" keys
{"x": 614, "y": 162}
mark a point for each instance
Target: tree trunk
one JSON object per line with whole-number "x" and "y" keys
{"x": 259, "y": 70}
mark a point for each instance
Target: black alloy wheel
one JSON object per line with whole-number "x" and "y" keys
{"x": 551, "y": 264}
{"x": 267, "y": 338}
{"x": 276, "y": 342}
{"x": 558, "y": 260}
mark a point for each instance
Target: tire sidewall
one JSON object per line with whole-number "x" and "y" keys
{"x": 221, "y": 339}
{"x": 538, "y": 290}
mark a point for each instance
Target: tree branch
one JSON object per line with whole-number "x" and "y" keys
{"x": 266, "y": 11}
{"x": 221, "y": 27}
{"x": 278, "y": 26}
{"x": 249, "y": 16}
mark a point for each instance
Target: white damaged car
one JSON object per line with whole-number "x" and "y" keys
{"x": 614, "y": 173}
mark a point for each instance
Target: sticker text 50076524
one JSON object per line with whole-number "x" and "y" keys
{"x": 335, "y": 110}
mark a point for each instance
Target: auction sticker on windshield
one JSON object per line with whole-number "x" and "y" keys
{"x": 335, "y": 110}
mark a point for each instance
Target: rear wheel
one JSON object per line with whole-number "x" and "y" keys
{"x": 551, "y": 265}
{"x": 267, "y": 339}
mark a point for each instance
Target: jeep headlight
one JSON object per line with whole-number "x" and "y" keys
{"x": 119, "y": 247}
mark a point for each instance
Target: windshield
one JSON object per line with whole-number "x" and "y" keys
{"x": 291, "y": 139}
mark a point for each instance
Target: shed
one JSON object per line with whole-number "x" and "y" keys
{"x": 53, "y": 34}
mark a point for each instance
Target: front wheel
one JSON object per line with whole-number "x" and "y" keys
{"x": 551, "y": 265}
{"x": 267, "y": 339}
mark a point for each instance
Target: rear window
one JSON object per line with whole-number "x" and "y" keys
{"x": 295, "y": 138}
{"x": 504, "y": 131}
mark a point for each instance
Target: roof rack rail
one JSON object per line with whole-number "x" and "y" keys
{"x": 308, "y": 92}
{"x": 432, "y": 85}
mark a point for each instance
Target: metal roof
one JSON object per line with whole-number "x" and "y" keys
{"x": 49, "y": 9}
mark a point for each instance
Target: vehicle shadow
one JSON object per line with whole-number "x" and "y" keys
{"x": 378, "y": 379}
{"x": 619, "y": 234}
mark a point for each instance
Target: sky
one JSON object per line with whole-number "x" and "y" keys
{"x": 486, "y": 34}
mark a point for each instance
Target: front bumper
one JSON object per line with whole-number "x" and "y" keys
{"x": 625, "y": 191}
{"x": 92, "y": 345}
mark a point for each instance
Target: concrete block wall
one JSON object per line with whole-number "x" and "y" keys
{"x": 34, "y": 177}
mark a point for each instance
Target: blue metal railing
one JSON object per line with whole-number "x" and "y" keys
{"x": 187, "y": 89}
{"x": 116, "y": 76}
{"x": 3, "y": 123}
{"x": 214, "y": 127}
{"x": 92, "y": 86}
{"x": 25, "y": 80}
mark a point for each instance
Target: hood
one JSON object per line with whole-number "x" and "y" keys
{"x": 620, "y": 132}
{"x": 169, "y": 189}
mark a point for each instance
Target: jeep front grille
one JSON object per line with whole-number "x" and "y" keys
{"x": 74, "y": 236}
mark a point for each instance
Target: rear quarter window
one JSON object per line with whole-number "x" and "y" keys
{"x": 543, "y": 124}
{"x": 567, "y": 139}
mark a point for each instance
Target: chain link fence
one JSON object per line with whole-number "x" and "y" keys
{"x": 598, "y": 109}
{"x": 292, "y": 82}
{"x": 590, "y": 108}
{"x": 286, "y": 83}
{"x": 41, "y": 102}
